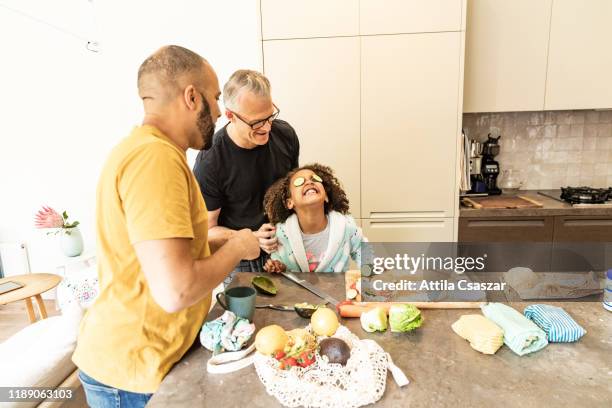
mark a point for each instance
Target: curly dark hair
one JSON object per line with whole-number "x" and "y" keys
{"x": 275, "y": 200}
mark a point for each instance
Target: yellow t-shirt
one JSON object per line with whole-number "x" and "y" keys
{"x": 146, "y": 192}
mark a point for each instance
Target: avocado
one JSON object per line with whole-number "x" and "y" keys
{"x": 336, "y": 350}
{"x": 264, "y": 285}
{"x": 306, "y": 310}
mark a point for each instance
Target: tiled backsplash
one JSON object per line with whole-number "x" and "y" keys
{"x": 553, "y": 149}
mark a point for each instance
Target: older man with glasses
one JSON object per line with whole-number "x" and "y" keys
{"x": 247, "y": 156}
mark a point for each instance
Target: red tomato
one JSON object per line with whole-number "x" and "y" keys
{"x": 291, "y": 362}
{"x": 306, "y": 358}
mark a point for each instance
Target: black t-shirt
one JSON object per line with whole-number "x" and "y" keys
{"x": 236, "y": 179}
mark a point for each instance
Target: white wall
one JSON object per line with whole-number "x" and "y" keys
{"x": 62, "y": 107}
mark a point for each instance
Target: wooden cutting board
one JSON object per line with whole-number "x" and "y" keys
{"x": 501, "y": 201}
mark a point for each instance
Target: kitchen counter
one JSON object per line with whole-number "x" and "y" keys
{"x": 550, "y": 207}
{"x": 443, "y": 369}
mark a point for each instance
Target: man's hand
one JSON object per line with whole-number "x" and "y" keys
{"x": 274, "y": 266}
{"x": 267, "y": 238}
{"x": 249, "y": 243}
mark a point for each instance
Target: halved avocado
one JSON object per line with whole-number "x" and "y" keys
{"x": 306, "y": 310}
{"x": 264, "y": 285}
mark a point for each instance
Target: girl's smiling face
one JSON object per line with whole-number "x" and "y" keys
{"x": 306, "y": 188}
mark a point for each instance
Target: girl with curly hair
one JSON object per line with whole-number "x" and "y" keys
{"x": 315, "y": 233}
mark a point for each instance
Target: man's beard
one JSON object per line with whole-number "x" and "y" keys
{"x": 205, "y": 124}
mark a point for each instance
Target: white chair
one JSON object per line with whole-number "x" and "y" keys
{"x": 40, "y": 356}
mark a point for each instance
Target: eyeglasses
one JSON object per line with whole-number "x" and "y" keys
{"x": 258, "y": 124}
{"x": 301, "y": 180}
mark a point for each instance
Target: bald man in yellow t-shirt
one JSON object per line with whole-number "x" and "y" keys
{"x": 155, "y": 267}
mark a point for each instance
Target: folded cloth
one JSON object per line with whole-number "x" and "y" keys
{"x": 483, "y": 335}
{"x": 556, "y": 323}
{"x": 520, "y": 334}
{"x": 226, "y": 333}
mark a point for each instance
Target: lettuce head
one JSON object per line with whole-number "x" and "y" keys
{"x": 374, "y": 320}
{"x": 404, "y": 318}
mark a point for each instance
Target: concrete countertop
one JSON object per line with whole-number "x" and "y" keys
{"x": 443, "y": 369}
{"x": 550, "y": 207}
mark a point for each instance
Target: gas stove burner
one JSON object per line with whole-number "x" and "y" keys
{"x": 586, "y": 195}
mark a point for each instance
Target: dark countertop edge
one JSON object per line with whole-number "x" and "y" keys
{"x": 551, "y": 207}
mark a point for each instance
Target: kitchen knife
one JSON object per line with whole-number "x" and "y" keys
{"x": 276, "y": 307}
{"x": 308, "y": 286}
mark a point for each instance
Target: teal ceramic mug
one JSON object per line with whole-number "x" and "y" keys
{"x": 240, "y": 300}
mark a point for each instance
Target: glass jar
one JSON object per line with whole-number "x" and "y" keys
{"x": 511, "y": 181}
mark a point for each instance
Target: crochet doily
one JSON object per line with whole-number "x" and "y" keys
{"x": 361, "y": 382}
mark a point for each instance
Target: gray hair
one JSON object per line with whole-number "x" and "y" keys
{"x": 245, "y": 80}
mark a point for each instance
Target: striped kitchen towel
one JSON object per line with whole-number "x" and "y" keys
{"x": 556, "y": 323}
{"x": 520, "y": 334}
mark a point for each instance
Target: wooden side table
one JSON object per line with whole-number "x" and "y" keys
{"x": 34, "y": 285}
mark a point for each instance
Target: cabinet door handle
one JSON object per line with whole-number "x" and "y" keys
{"x": 407, "y": 214}
{"x": 407, "y": 224}
{"x": 506, "y": 223}
{"x": 587, "y": 223}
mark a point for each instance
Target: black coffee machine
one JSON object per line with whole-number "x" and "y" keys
{"x": 490, "y": 166}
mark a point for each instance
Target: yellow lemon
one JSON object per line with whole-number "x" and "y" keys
{"x": 271, "y": 339}
{"x": 324, "y": 322}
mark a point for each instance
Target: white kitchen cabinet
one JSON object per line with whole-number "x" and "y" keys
{"x": 409, "y": 230}
{"x": 410, "y": 115}
{"x": 506, "y": 55}
{"x": 580, "y": 57}
{"x": 410, "y": 16}
{"x": 315, "y": 84}
{"x": 281, "y": 19}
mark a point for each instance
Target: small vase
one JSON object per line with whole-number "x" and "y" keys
{"x": 71, "y": 242}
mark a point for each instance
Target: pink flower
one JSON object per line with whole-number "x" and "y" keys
{"x": 48, "y": 218}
